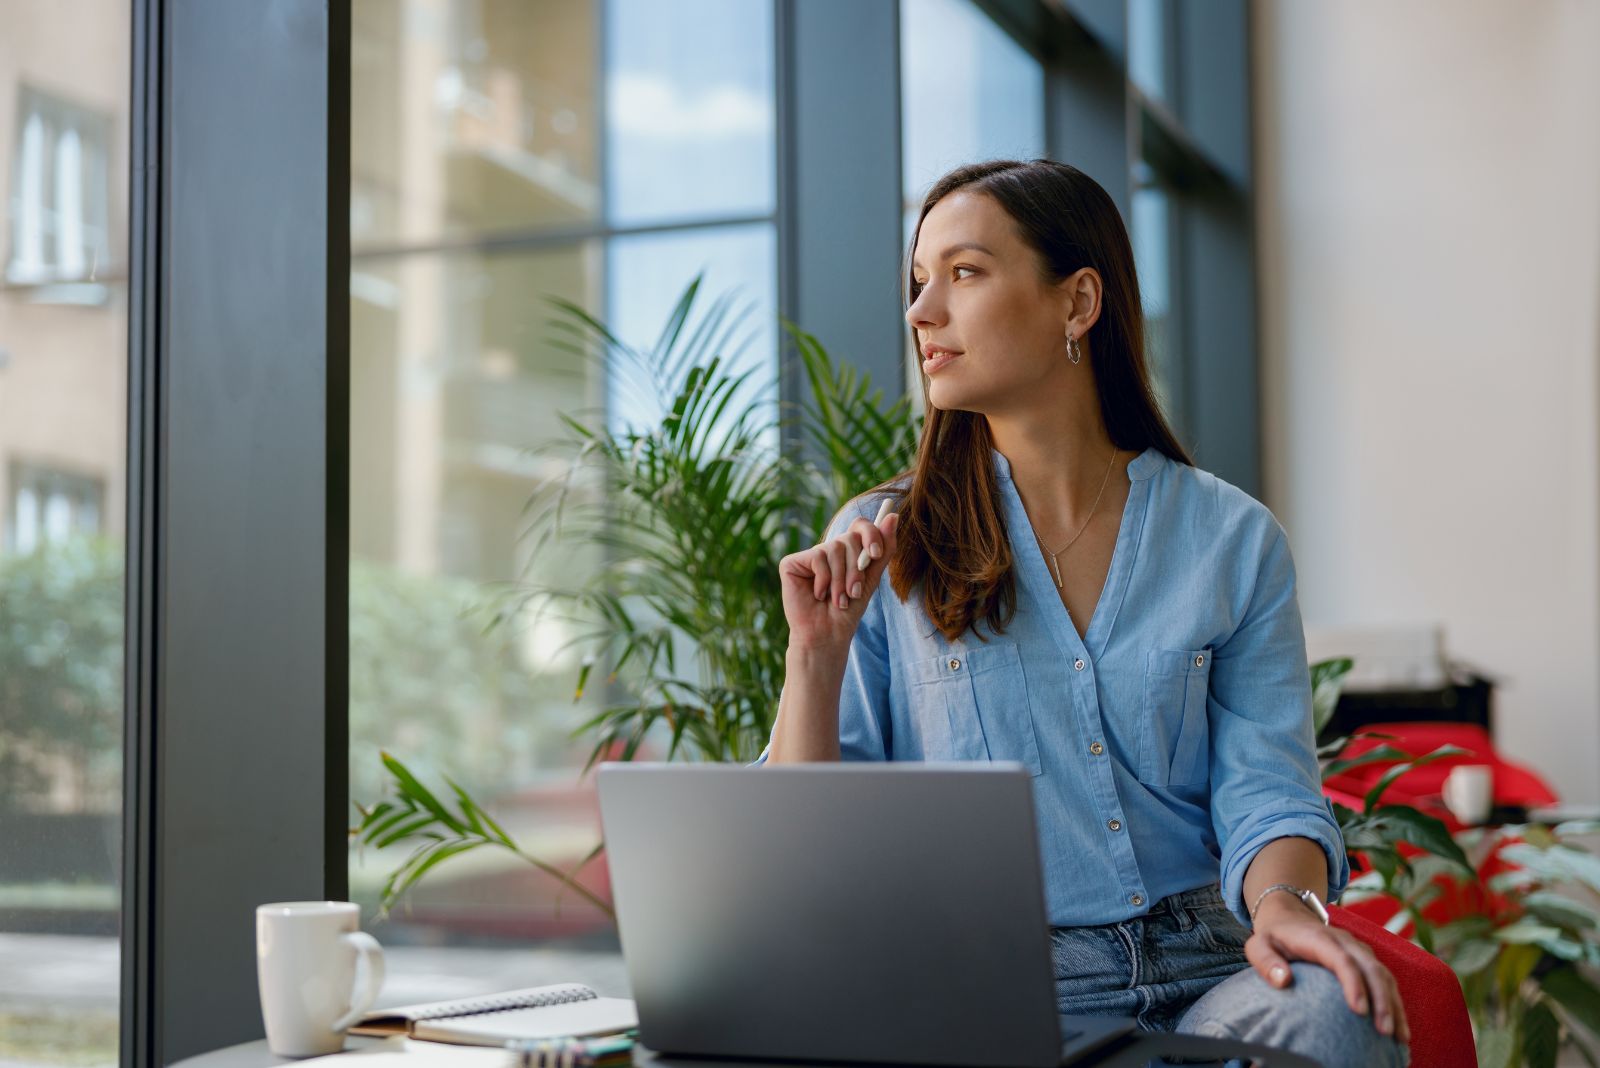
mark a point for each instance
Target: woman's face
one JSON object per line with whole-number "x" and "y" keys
{"x": 986, "y": 303}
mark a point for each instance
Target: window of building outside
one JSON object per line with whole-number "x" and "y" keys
{"x": 503, "y": 154}
{"x": 64, "y": 75}
{"x": 52, "y": 507}
{"x": 59, "y": 199}
{"x": 969, "y": 92}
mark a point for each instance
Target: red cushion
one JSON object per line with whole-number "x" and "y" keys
{"x": 1421, "y": 787}
{"x": 1441, "y": 1031}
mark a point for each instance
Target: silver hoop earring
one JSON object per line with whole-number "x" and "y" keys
{"x": 1074, "y": 350}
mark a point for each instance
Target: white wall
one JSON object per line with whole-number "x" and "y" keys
{"x": 1429, "y": 238}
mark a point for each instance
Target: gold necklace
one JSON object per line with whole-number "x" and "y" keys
{"x": 1054, "y": 566}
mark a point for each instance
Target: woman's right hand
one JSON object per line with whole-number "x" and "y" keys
{"x": 825, "y": 590}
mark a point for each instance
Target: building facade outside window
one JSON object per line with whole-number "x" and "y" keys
{"x": 60, "y": 191}
{"x": 50, "y": 507}
{"x": 64, "y": 108}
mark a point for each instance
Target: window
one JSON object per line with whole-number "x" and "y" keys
{"x": 1149, "y": 48}
{"x": 49, "y": 507}
{"x": 968, "y": 92}
{"x": 598, "y": 151}
{"x": 60, "y": 229}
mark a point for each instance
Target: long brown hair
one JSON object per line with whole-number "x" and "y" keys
{"x": 952, "y": 536}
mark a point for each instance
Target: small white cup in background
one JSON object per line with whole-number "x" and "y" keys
{"x": 306, "y": 965}
{"x": 1468, "y": 792}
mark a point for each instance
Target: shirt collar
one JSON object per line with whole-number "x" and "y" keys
{"x": 1144, "y": 465}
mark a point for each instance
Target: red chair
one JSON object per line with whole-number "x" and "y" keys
{"x": 1441, "y": 1031}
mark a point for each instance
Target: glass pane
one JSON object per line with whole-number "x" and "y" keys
{"x": 456, "y": 377}
{"x": 64, "y": 73}
{"x": 970, "y": 92}
{"x": 1151, "y": 235}
{"x": 471, "y": 116}
{"x": 454, "y": 381}
{"x": 1147, "y": 46}
{"x": 461, "y": 379}
{"x": 452, "y": 384}
{"x": 690, "y": 116}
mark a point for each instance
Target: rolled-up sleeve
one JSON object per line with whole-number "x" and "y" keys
{"x": 1265, "y": 783}
{"x": 864, "y": 718}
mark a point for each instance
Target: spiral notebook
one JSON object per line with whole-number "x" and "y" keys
{"x": 565, "y": 1009}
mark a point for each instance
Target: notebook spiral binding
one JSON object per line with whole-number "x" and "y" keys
{"x": 480, "y": 1006}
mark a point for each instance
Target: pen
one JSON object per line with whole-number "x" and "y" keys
{"x": 883, "y": 510}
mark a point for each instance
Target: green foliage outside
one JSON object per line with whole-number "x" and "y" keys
{"x": 426, "y": 674}
{"x": 428, "y": 677}
{"x": 61, "y": 620}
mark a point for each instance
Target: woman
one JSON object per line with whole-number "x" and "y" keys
{"x": 1069, "y": 591}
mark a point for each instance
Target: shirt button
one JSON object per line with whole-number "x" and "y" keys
{"x": 955, "y": 665}
{"x": 1199, "y": 661}
{"x": 1078, "y": 664}
{"x": 1096, "y": 748}
{"x": 1115, "y": 825}
{"x": 1136, "y": 899}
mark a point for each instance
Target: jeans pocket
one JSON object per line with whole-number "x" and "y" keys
{"x": 1220, "y": 927}
{"x": 1174, "y": 747}
{"x": 972, "y": 704}
{"x": 1087, "y": 961}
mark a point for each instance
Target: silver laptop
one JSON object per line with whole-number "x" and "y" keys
{"x": 849, "y": 912}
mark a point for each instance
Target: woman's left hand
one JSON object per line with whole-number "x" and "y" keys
{"x": 1285, "y": 930}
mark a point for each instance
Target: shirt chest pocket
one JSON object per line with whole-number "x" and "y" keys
{"x": 972, "y": 704}
{"x": 1174, "y": 736}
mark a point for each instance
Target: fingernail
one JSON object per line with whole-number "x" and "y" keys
{"x": 1361, "y": 1004}
{"x": 876, "y": 550}
{"x": 1384, "y": 1024}
{"x": 1278, "y": 974}
{"x": 855, "y": 591}
{"x": 844, "y": 602}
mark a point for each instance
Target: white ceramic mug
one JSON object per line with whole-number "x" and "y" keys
{"x": 306, "y": 964}
{"x": 1468, "y": 792}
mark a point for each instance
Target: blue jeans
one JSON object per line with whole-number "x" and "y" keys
{"x": 1182, "y": 968}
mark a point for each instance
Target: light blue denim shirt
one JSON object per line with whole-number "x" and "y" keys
{"x": 1168, "y": 745}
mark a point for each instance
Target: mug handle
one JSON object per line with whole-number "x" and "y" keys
{"x": 369, "y": 977}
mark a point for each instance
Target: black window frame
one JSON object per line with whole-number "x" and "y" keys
{"x": 237, "y": 531}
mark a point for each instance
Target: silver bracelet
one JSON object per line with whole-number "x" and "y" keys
{"x": 1307, "y": 898}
